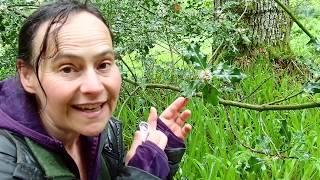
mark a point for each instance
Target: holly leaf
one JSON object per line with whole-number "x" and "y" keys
{"x": 312, "y": 87}
{"x": 189, "y": 89}
{"x": 194, "y": 56}
{"x": 210, "y": 94}
{"x": 227, "y": 73}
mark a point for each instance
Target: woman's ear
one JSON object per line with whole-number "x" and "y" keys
{"x": 27, "y": 76}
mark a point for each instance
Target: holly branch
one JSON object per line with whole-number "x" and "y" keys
{"x": 256, "y": 107}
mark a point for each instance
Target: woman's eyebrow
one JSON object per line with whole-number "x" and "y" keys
{"x": 62, "y": 55}
{"x": 105, "y": 52}
{"x": 70, "y": 55}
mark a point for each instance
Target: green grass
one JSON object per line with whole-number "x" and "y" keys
{"x": 309, "y": 15}
{"x": 215, "y": 153}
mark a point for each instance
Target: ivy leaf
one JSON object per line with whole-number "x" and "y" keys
{"x": 210, "y": 94}
{"x": 312, "y": 88}
{"x": 194, "y": 56}
{"x": 228, "y": 73}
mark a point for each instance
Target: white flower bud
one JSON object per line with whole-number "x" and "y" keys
{"x": 205, "y": 75}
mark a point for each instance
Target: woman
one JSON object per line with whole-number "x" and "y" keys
{"x": 56, "y": 118}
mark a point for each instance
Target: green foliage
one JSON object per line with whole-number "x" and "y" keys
{"x": 11, "y": 18}
{"x": 317, "y": 45}
{"x": 213, "y": 151}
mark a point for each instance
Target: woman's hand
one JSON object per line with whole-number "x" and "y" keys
{"x": 174, "y": 117}
{"x": 155, "y": 136}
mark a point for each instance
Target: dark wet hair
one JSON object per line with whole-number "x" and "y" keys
{"x": 57, "y": 12}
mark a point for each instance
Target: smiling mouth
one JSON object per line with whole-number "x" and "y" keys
{"x": 89, "y": 107}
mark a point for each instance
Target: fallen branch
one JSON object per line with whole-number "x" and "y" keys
{"x": 256, "y": 107}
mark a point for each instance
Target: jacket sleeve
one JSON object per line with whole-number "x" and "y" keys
{"x": 149, "y": 162}
{"x": 174, "y": 150}
{"x": 113, "y": 154}
{"x": 150, "y": 158}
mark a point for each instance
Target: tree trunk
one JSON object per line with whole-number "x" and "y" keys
{"x": 269, "y": 24}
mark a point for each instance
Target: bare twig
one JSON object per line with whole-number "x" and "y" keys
{"x": 217, "y": 52}
{"x": 257, "y": 88}
{"x": 155, "y": 86}
{"x": 131, "y": 72}
{"x": 291, "y": 96}
{"x": 286, "y": 98}
{"x": 126, "y": 100}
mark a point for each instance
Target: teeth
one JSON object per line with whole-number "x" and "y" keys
{"x": 89, "y": 106}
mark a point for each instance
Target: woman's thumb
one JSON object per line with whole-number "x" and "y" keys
{"x": 152, "y": 119}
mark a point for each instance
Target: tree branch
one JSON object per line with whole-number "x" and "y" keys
{"x": 131, "y": 72}
{"x": 256, "y": 107}
{"x": 266, "y": 107}
{"x": 293, "y": 17}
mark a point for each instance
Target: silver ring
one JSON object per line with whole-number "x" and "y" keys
{"x": 144, "y": 130}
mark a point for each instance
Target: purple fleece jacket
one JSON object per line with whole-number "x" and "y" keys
{"x": 19, "y": 114}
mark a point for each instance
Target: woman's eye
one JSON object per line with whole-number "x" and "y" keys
{"x": 104, "y": 66}
{"x": 67, "y": 70}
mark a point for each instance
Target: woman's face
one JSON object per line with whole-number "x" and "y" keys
{"x": 81, "y": 81}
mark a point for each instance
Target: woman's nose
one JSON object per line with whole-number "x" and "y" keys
{"x": 91, "y": 83}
